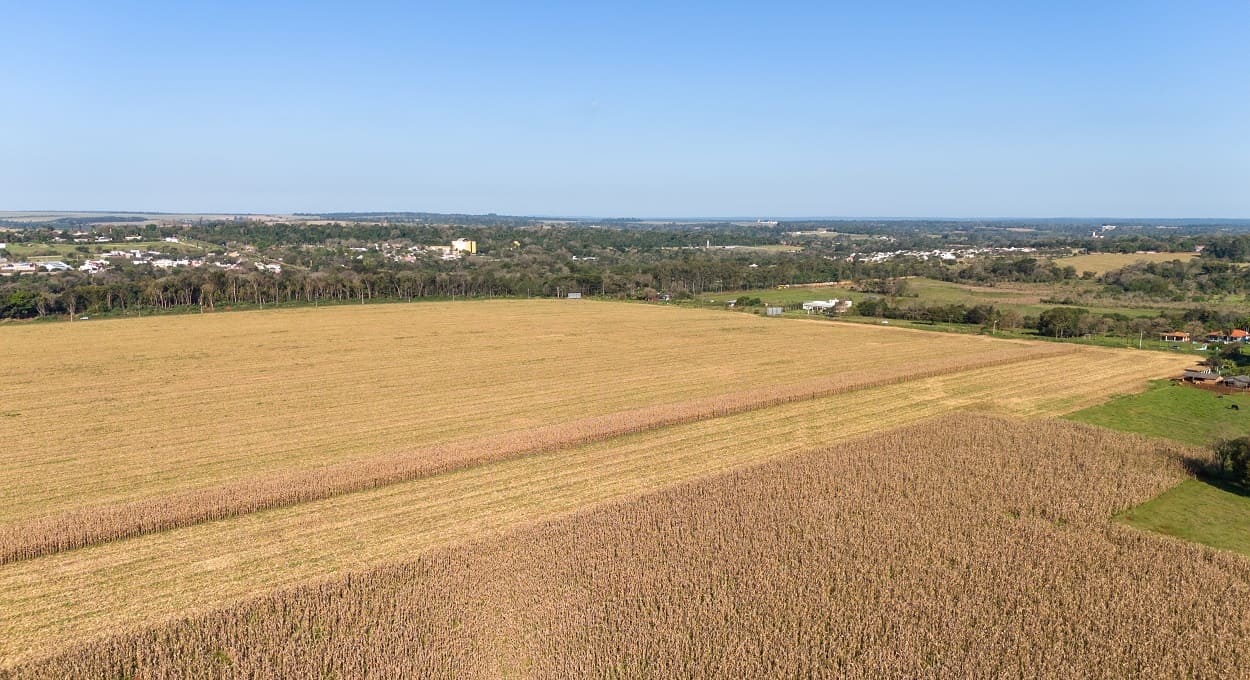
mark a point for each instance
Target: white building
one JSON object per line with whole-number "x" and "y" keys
{"x": 820, "y": 305}
{"x": 832, "y": 305}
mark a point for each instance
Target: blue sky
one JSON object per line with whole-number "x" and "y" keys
{"x": 639, "y": 109}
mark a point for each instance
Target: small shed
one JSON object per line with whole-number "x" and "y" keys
{"x": 1241, "y": 382}
{"x": 1203, "y": 377}
{"x": 773, "y": 311}
{"x": 575, "y": 296}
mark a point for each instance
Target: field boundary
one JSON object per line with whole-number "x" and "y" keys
{"x": 88, "y": 526}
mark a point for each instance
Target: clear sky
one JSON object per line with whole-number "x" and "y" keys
{"x": 1049, "y": 108}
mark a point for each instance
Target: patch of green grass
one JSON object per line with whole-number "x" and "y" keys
{"x": 1102, "y": 263}
{"x": 783, "y": 296}
{"x": 1180, "y": 412}
{"x": 1022, "y": 298}
{"x": 947, "y": 292}
{"x": 1197, "y": 511}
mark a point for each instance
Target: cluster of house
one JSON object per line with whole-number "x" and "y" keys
{"x": 90, "y": 237}
{"x": 1235, "y": 335}
{"x": 1241, "y": 382}
{"x": 457, "y": 249}
{"x": 10, "y": 268}
{"x": 152, "y": 257}
{"x": 87, "y": 237}
{"x": 110, "y": 259}
{"x": 944, "y": 255}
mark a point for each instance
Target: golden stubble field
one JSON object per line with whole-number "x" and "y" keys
{"x": 102, "y": 412}
{"x": 712, "y": 391}
{"x": 1101, "y": 263}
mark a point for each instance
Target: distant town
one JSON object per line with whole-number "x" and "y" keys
{"x": 96, "y": 261}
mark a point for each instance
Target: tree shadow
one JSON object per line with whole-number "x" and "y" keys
{"x": 1226, "y": 485}
{"x": 1205, "y": 470}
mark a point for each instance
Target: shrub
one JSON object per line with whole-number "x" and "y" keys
{"x": 1232, "y": 460}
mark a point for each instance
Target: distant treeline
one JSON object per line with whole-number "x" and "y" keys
{"x": 334, "y": 262}
{"x": 1059, "y": 322}
{"x": 688, "y": 272}
{"x": 1178, "y": 279}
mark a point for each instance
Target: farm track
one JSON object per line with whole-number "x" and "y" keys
{"x": 198, "y": 568}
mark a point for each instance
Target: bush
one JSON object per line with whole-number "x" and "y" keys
{"x": 1061, "y": 322}
{"x": 1232, "y": 460}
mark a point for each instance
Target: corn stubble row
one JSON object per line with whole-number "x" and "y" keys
{"x": 91, "y": 525}
{"x": 967, "y": 546}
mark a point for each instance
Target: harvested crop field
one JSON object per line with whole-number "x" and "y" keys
{"x": 186, "y": 569}
{"x": 126, "y": 509}
{"x": 968, "y": 546}
{"x": 1101, "y": 263}
{"x": 125, "y": 410}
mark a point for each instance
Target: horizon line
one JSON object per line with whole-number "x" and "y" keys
{"x": 656, "y": 218}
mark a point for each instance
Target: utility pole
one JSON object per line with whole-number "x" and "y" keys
{"x": 1140, "y": 335}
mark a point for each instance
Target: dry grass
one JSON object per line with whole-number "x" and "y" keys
{"x": 198, "y": 567}
{"x": 100, "y": 413}
{"x": 1101, "y": 263}
{"x": 967, "y": 546}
